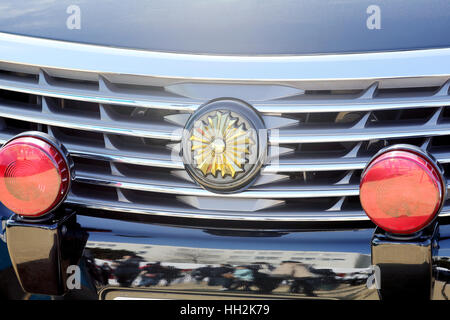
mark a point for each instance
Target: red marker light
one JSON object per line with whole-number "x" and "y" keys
{"x": 402, "y": 191}
{"x": 34, "y": 176}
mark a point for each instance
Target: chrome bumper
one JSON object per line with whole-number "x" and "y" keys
{"x": 321, "y": 264}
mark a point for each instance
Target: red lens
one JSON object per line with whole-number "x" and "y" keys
{"x": 401, "y": 191}
{"x": 34, "y": 176}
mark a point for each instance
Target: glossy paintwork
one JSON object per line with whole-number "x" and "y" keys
{"x": 236, "y": 26}
{"x": 42, "y": 251}
{"x": 184, "y": 251}
{"x": 198, "y": 263}
{"x": 405, "y": 263}
{"x": 323, "y": 264}
{"x": 299, "y": 265}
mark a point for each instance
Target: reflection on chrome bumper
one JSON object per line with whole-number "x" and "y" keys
{"x": 155, "y": 262}
{"x": 124, "y": 260}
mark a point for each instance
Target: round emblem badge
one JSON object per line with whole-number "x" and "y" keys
{"x": 224, "y": 145}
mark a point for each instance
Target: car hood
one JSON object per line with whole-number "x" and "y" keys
{"x": 243, "y": 27}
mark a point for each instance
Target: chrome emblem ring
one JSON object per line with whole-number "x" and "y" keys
{"x": 224, "y": 145}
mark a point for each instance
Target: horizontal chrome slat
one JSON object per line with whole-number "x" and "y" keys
{"x": 117, "y": 156}
{"x": 331, "y": 164}
{"x": 255, "y": 193}
{"x": 191, "y": 213}
{"x": 311, "y": 165}
{"x": 182, "y": 189}
{"x": 164, "y": 132}
{"x": 120, "y": 156}
{"x": 165, "y": 161}
{"x": 268, "y": 216}
{"x": 303, "y": 106}
{"x": 349, "y": 105}
{"x": 365, "y": 134}
{"x": 292, "y": 165}
{"x": 102, "y": 97}
{"x": 155, "y": 131}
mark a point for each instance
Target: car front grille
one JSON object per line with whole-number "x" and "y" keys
{"x": 123, "y": 133}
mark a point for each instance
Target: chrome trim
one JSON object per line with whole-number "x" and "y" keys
{"x": 280, "y": 137}
{"x": 331, "y": 164}
{"x": 105, "y": 96}
{"x": 103, "y": 59}
{"x": 96, "y": 125}
{"x": 291, "y": 165}
{"x": 119, "y": 156}
{"x": 315, "y": 165}
{"x": 255, "y": 193}
{"x": 364, "y": 134}
{"x": 368, "y": 71}
{"x": 116, "y": 206}
{"x": 291, "y": 192}
{"x": 376, "y": 104}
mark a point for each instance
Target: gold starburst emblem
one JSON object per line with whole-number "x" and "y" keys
{"x": 221, "y": 144}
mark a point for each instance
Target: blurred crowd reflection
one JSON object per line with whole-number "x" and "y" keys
{"x": 263, "y": 277}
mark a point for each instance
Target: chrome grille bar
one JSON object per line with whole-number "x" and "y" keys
{"x": 362, "y": 68}
{"x": 155, "y": 131}
{"x": 101, "y": 96}
{"x": 104, "y": 96}
{"x": 196, "y": 214}
{"x": 254, "y": 193}
{"x": 366, "y": 134}
{"x": 138, "y": 111}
